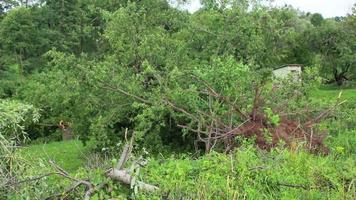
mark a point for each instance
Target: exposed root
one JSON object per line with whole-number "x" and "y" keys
{"x": 268, "y": 134}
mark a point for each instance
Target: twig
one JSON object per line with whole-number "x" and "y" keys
{"x": 180, "y": 110}
{"x": 9, "y": 183}
{"x": 193, "y": 130}
{"x": 294, "y": 186}
{"x": 323, "y": 114}
{"x": 70, "y": 189}
{"x": 219, "y": 96}
{"x": 232, "y": 131}
{"x": 117, "y": 89}
{"x": 350, "y": 185}
{"x": 213, "y": 118}
{"x": 77, "y": 183}
{"x": 258, "y": 168}
{"x": 92, "y": 190}
{"x": 58, "y": 168}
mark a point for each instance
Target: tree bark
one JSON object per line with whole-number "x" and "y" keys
{"x": 339, "y": 78}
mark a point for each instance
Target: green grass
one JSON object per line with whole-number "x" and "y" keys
{"x": 329, "y": 93}
{"x": 67, "y": 154}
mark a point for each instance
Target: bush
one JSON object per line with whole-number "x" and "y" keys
{"x": 14, "y": 118}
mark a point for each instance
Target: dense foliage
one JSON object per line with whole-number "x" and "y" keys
{"x": 176, "y": 80}
{"x": 92, "y": 63}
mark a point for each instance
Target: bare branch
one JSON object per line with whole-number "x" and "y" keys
{"x": 117, "y": 89}
{"x": 219, "y": 96}
{"x": 92, "y": 190}
{"x": 294, "y": 186}
{"x": 125, "y": 155}
{"x": 181, "y": 110}
{"x": 322, "y": 115}
{"x": 9, "y": 183}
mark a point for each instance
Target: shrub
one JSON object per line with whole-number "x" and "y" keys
{"x": 14, "y": 118}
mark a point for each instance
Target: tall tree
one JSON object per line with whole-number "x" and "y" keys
{"x": 63, "y": 17}
{"x": 335, "y": 42}
{"x": 19, "y": 37}
{"x": 316, "y": 19}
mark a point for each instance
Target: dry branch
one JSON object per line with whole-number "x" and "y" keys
{"x": 77, "y": 182}
{"x": 322, "y": 115}
{"x": 215, "y": 94}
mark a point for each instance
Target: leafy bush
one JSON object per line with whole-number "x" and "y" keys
{"x": 14, "y": 118}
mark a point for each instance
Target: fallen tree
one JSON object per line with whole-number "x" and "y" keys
{"x": 269, "y": 127}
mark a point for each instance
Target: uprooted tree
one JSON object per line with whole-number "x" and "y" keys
{"x": 227, "y": 100}
{"x": 268, "y": 127}
{"x": 218, "y": 104}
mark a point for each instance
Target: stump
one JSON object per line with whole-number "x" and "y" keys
{"x": 67, "y": 133}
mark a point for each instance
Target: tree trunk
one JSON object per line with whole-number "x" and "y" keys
{"x": 339, "y": 78}
{"x": 21, "y": 73}
{"x": 339, "y": 81}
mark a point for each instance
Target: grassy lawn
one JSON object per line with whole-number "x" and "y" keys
{"x": 67, "y": 154}
{"x": 328, "y": 93}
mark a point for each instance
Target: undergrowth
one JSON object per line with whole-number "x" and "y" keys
{"x": 246, "y": 173}
{"x": 252, "y": 174}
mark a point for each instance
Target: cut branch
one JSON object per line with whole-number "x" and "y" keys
{"x": 125, "y": 153}
{"x": 124, "y": 177}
